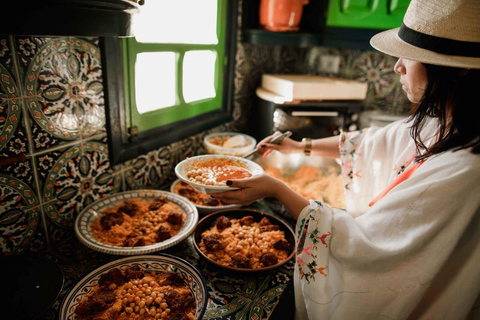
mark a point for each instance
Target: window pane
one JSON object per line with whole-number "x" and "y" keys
{"x": 199, "y": 75}
{"x": 155, "y": 79}
{"x": 177, "y": 21}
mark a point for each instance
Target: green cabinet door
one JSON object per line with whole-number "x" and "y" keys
{"x": 370, "y": 14}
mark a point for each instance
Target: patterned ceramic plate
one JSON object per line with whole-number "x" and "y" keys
{"x": 186, "y": 165}
{"x": 84, "y": 220}
{"x": 156, "y": 263}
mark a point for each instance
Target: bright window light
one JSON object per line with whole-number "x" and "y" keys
{"x": 199, "y": 75}
{"x": 155, "y": 78}
{"x": 177, "y": 21}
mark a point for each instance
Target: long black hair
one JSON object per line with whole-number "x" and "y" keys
{"x": 452, "y": 96}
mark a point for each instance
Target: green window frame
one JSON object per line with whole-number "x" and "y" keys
{"x": 181, "y": 110}
{"x": 131, "y": 134}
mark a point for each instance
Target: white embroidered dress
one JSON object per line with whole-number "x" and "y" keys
{"x": 415, "y": 254}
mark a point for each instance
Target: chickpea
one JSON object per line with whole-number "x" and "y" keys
{"x": 141, "y": 304}
{"x": 163, "y": 305}
{"x": 149, "y": 301}
{"x": 153, "y": 311}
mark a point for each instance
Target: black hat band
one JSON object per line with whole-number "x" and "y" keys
{"x": 439, "y": 45}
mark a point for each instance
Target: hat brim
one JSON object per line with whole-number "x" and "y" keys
{"x": 388, "y": 42}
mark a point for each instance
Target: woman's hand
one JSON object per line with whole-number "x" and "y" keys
{"x": 259, "y": 187}
{"x": 287, "y": 146}
{"x": 251, "y": 189}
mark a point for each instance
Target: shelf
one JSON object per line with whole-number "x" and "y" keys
{"x": 350, "y": 38}
{"x": 69, "y": 17}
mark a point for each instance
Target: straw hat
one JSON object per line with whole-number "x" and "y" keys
{"x": 441, "y": 32}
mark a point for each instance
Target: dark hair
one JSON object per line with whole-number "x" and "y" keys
{"x": 449, "y": 91}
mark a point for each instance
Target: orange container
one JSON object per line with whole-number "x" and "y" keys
{"x": 281, "y": 15}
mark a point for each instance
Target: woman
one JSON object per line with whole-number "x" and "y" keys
{"x": 408, "y": 244}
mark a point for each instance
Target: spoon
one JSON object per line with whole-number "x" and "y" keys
{"x": 275, "y": 140}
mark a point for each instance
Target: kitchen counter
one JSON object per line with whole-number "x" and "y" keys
{"x": 233, "y": 295}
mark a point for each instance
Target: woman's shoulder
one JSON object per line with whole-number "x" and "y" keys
{"x": 455, "y": 163}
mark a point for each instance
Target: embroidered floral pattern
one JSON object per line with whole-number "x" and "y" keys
{"x": 311, "y": 241}
{"x": 349, "y": 152}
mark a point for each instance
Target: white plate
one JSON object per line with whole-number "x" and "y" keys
{"x": 186, "y": 165}
{"x": 237, "y": 151}
{"x": 206, "y": 209}
{"x": 84, "y": 220}
{"x": 161, "y": 262}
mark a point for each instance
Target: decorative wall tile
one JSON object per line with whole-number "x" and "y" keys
{"x": 151, "y": 170}
{"x": 26, "y": 49}
{"x": 65, "y": 90}
{"x": 12, "y": 141}
{"x": 19, "y": 214}
{"x": 79, "y": 176}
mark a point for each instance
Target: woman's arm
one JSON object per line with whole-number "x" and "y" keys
{"x": 325, "y": 147}
{"x": 261, "y": 187}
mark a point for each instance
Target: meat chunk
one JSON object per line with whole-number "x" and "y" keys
{"x": 174, "y": 279}
{"x": 212, "y": 202}
{"x": 134, "y": 240}
{"x": 163, "y": 233}
{"x": 100, "y": 301}
{"x": 111, "y": 219}
{"x": 264, "y": 222}
{"x": 270, "y": 227}
{"x": 134, "y": 273}
{"x": 282, "y": 245}
{"x": 186, "y": 192}
{"x": 157, "y": 203}
{"x": 213, "y": 242}
{"x": 223, "y": 223}
{"x": 113, "y": 276}
{"x": 178, "y": 302}
{"x": 246, "y": 221}
{"x": 268, "y": 259}
{"x": 129, "y": 207}
{"x": 175, "y": 217}
{"x": 240, "y": 261}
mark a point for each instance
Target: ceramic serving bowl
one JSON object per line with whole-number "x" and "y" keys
{"x": 210, "y": 220}
{"x": 83, "y": 222}
{"x": 244, "y": 143}
{"x": 158, "y": 263}
{"x": 188, "y": 164}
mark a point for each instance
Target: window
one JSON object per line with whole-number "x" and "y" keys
{"x": 173, "y": 79}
